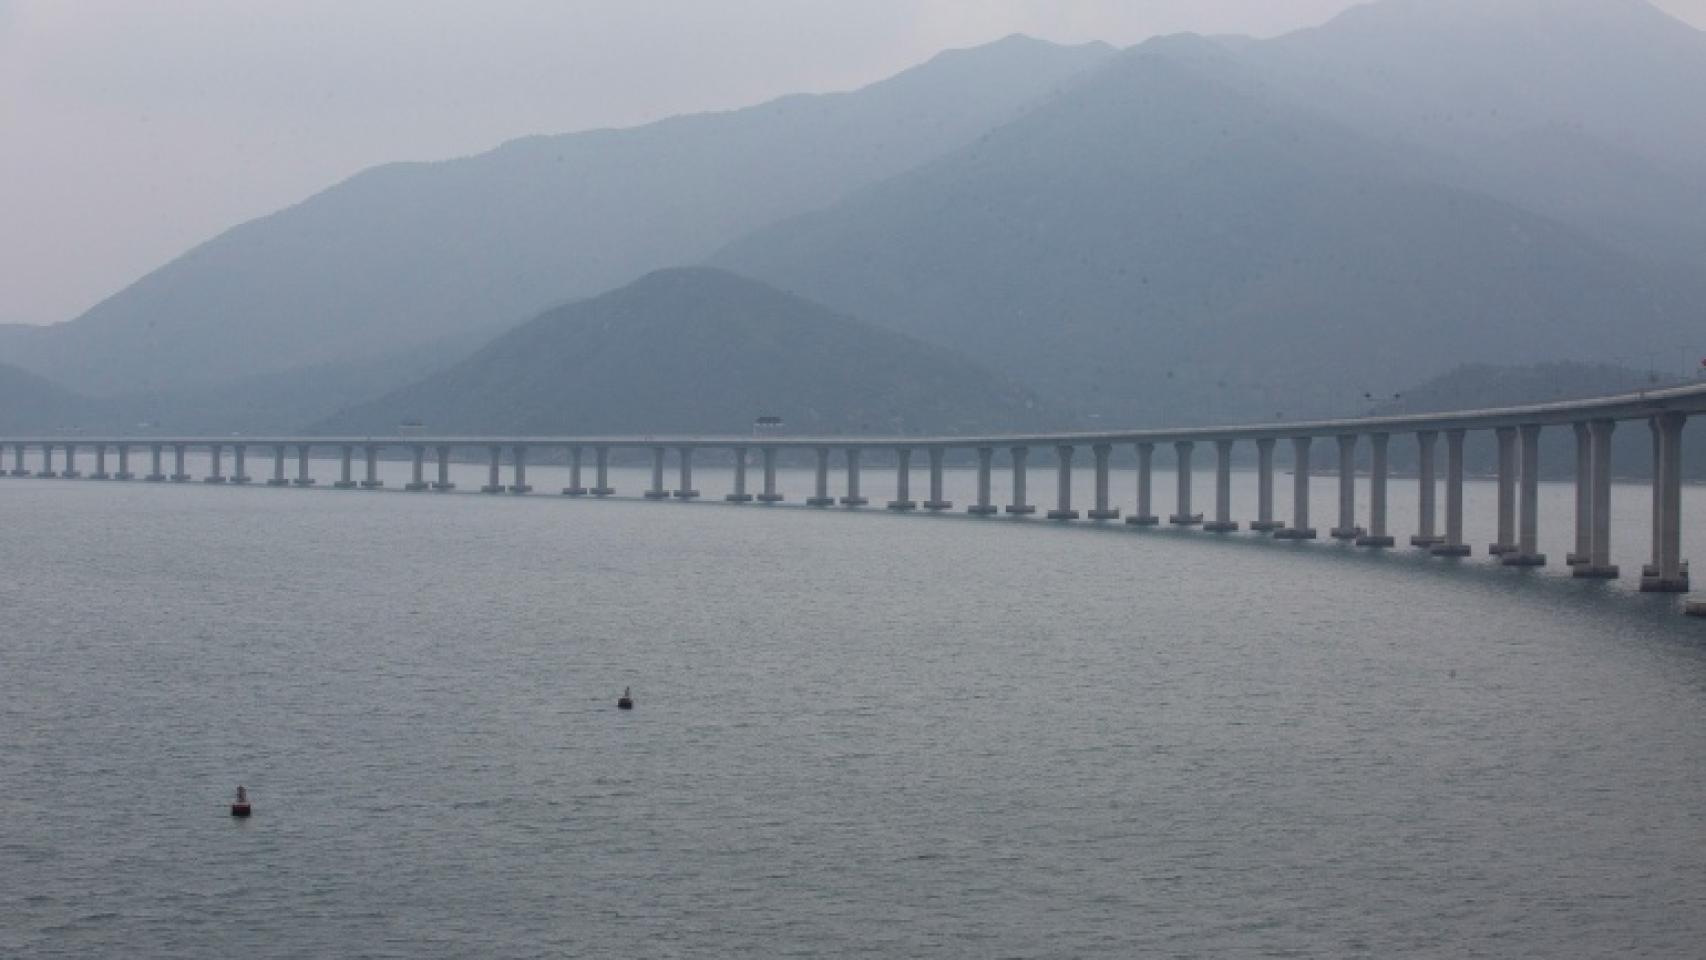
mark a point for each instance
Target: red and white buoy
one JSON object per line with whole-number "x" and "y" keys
{"x": 240, "y": 806}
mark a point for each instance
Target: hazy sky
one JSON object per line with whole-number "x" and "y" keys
{"x": 130, "y": 131}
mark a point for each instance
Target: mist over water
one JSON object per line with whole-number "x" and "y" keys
{"x": 855, "y": 735}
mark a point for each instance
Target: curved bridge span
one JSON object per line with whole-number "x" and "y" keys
{"x": 1518, "y": 430}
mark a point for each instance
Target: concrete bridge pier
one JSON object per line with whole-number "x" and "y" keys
{"x": 47, "y": 471}
{"x": 1265, "y": 522}
{"x": 985, "y": 467}
{"x": 1650, "y": 569}
{"x": 574, "y": 489}
{"x": 770, "y": 494}
{"x": 1063, "y": 485}
{"x": 1453, "y": 546}
{"x": 18, "y": 468}
{"x": 239, "y": 454}
{"x": 1428, "y": 489}
{"x": 278, "y": 457}
{"x": 1223, "y": 522}
{"x": 181, "y": 475}
{"x": 1507, "y": 493}
{"x": 371, "y": 481}
{"x": 1145, "y": 516}
{"x": 1599, "y": 565}
{"x": 124, "y": 463}
{"x": 1671, "y": 575}
{"x": 1347, "y": 528}
{"x": 1300, "y": 528}
{"x": 601, "y": 472}
{"x": 158, "y": 474}
{"x": 443, "y": 483}
{"x": 820, "y": 496}
{"x": 417, "y": 470}
{"x": 346, "y": 477}
{"x": 302, "y": 477}
{"x": 100, "y": 463}
{"x": 903, "y": 481}
{"x": 1104, "y": 510}
{"x": 657, "y": 491}
{"x": 1377, "y": 536}
{"x": 740, "y": 495}
{"x": 1018, "y": 506}
{"x": 852, "y": 497}
{"x": 216, "y": 472}
{"x": 494, "y": 472}
{"x": 1584, "y": 497}
{"x": 936, "y": 501}
{"x": 1527, "y": 553}
{"x": 1182, "y": 516}
{"x": 70, "y": 471}
{"x": 518, "y": 467}
{"x": 684, "y": 464}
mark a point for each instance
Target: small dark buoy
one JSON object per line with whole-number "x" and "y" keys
{"x": 240, "y": 807}
{"x": 626, "y": 701}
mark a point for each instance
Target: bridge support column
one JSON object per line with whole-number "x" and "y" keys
{"x": 346, "y": 478}
{"x": 216, "y": 475}
{"x": 518, "y": 466}
{"x": 852, "y": 498}
{"x": 740, "y": 495}
{"x": 657, "y": 492}
{"x": 820, "y": 496}
{"x": 47, "y": 471}
{"x": 903, "y": 481}
{"x": 1223, "y": 522}
{"x": 70, "y": 471}
{"x": 1527, "y": 553}
{"x": 936, "y": 502}
{"x": 684, "y": 466}
{"x": 1265, "y": 522}
{"x": 1347, "y": 528}
{"x": 278, "y": 457}
{"x": 124, "y": 463}
{"x": 100, "y": 463}
{"x": 155, "y": 475}
{"x": 417, "y": 470}
{"x": 1018, "y": 506}
{"x": 1672, "y": 573}
{"x": 985, "y": 467}
{"x": 1104, "y": 510}
{"x": 180, "y": 475}
{"x": 1300, "y": 528}
{"x": 1063, "y": 485}
{"x": 494, "y": 472}
{"x": 574, "y": 489}
{"x": 1426, "y": 491}
{"x": 443, "y": 483}
{"x": 18, "y": 468}
{"x": 302, "y": 477}
{"x": 239, "y": 467}
{"x": 371, "y": 481}
{"x": 1145, "y": 516}
{"x": 1599, "y": 565}
{"x": 1584, "y": 497}
{"x": 1182, "y": 515}
{"x": 1453, "y": 545}
{"x": 1377, "y": 535}
{"x": 1507, "y": 493}
{"x": 771, "y": 494}
{"x": 601, "y": 472}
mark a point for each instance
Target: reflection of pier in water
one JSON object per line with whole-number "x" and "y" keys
{"x": 1518, "y": 430}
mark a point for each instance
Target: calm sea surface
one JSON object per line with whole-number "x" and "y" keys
{"x": 855, "y": 736}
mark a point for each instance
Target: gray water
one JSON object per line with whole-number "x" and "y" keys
{"x": 855, "y": 735}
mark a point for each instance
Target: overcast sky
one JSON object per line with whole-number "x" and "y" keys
{"x": 130, "y": 131}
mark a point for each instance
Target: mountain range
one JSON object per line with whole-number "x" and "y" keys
{"x": 1191, "y": 229}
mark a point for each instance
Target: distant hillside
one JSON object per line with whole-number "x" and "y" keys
{"x": 34, "y": 405}
{"x": 410, "y": 253}
{"x": 1172, "y": 241}
{"x": 697, "y": 350}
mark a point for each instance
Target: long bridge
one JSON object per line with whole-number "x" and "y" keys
{"x": 1518, "y": 430}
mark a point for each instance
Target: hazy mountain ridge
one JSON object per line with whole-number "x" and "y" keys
{"x": 408, "y": 253}
{"x": 698, "y": 350}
